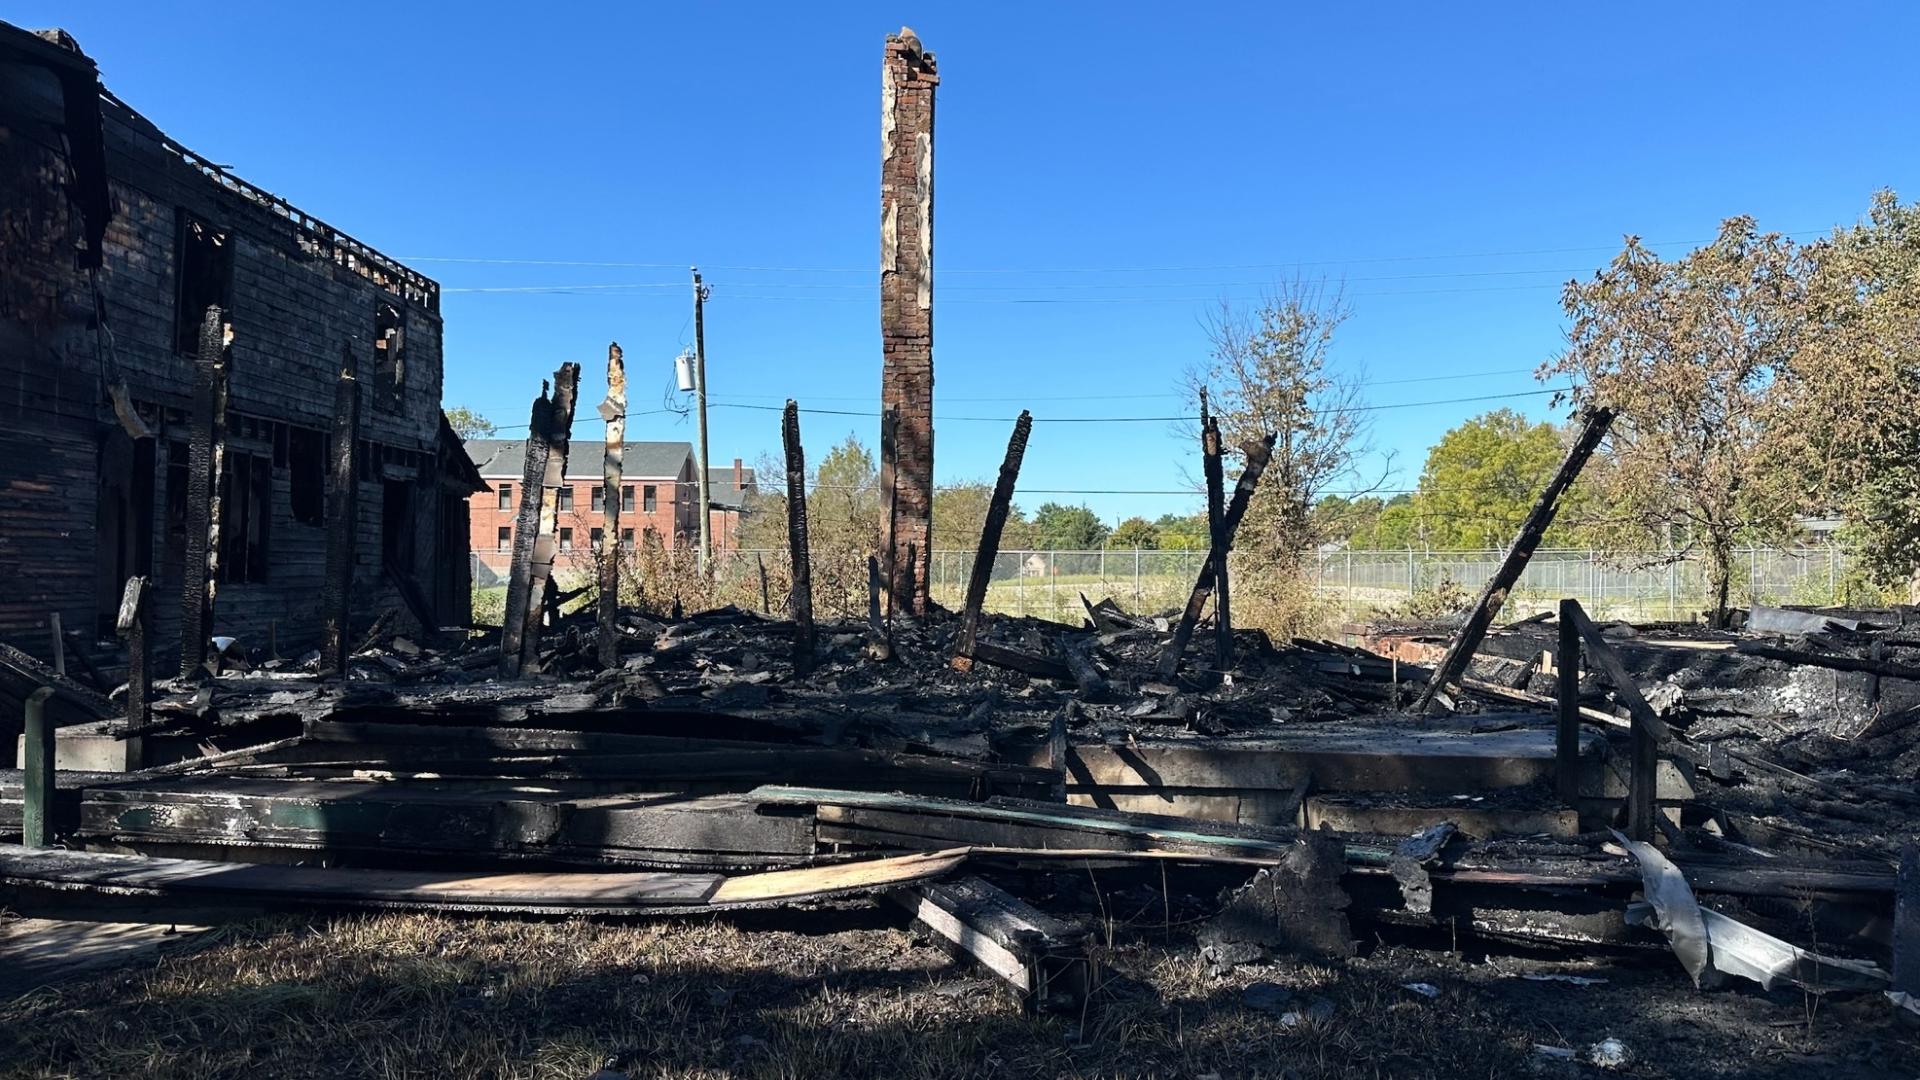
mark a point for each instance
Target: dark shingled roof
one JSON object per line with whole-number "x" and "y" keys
{"x": 507, "y": 458}
{"x": 720, "y": 487}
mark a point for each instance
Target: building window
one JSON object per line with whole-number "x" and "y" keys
{"x": 566, "y": 498}
{"x": 598, "y": 498}
{"x": 626, "y": 539}
{"x": 566, "y": 539}
{"x": 398, "y": 537}
{"x": 307, "y": 474}
{"x": 650, "y": 499}
{"x": 203, "y": 270}
{"x": 506, "y": 538}
{"x": 246, "y": 509}
{"x": 596, "y": 537}
{"x": 626, "y": 498}
{"x": 389, "y": 356}
{"x": 506, "y": 496}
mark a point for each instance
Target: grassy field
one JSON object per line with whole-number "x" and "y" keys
{"x": 848, "y": 992}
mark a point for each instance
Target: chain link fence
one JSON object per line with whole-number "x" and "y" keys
{"x": 1361, "y": 584}
{"x": 1669, "y": 586}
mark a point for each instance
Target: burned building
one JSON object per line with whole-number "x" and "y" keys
{"x": 126, "y": 427}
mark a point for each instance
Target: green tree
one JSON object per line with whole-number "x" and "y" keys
{"x": 1136, "y": 532}
{"x": 1855, "y": 389}
{"x": 1182, "y": 532}
{"x": 960, "y": 516}
{"x": 1058, "y": 527}
{"x": 1689, "y": 351}
{"x": 1484, "y": 475}
{"x": 469, "y": 424}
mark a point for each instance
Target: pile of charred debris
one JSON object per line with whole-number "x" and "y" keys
{"x": 1742, "y": 798}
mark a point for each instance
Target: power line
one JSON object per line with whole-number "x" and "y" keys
{"x": 1148, "y": 419}
{"x": 1124, "y": 397}
{"x": 1168, "y": 269}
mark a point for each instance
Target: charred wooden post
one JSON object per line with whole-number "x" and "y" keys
{"x": 343, "y": 513}
{"x": 1257, "y": 454}
{"x": 1647, "y": 730}
{"x": 766, "y": 597}
{"x": 132, "y": 625}
{"x": 989, "y": 549}
{"x": 1566, "y": 743}
{"x": 206, "y": 445}
{"x": 1210, "y": 452}
{"x": 1906, "y": 923}
{"x": 536, "y": 525}
{"x": 800, "y": 602}
{"x": 614, "y": 411}
{"x": 59, "y": 644}
{"x": 889, "y": 559}
{"x": 879, "y": 640}
{"x": 1460, "y": 653}
{"x": 36, "y": 825}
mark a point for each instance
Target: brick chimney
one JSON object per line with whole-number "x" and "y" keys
{"x": 739, "y": 477}
{"x": 908, "y": 80}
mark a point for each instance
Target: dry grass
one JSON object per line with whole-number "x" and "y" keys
{"x": 417, "y": 996}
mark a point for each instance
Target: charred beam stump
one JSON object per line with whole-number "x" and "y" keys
{"x": 800, "y": 601}
{"x": 343, "y": 502}
{"x": 206, "y": 445}
{"x": 1258, "y": 454}
{"x": 989, "y": 549}
{"x": 614, "y": 411}
{"x": 549, "y": 428}
{"x": 1210, "y": 452}
{"x": 132, "y": 625}
{"x": 1460, "y": 653}
{"x": 1647, "y": 730}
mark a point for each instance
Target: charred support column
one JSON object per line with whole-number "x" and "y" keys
{"x": 1648, "y": 731}
{"x": 989, "y": 549}
{"x": 1257, "y": 455}
{"x": 534, "y": 532}
{"x": 206, "y": 446}
{"x": 909, "y": 77}
{"x": 800, "y": 604}
{"x": 1459, "y": 654}
{"x": 36, "y": 826}
{"x": 1210, "y": 453}
{"x": 1906, "y": 923}
{"x": 1566, "y": 743}
{"x": 132, "y": 625}
{"x": 343, "y": 512}
{"x": 614, "y": 411}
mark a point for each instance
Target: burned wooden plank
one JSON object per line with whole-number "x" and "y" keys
{"x": 996, "y": 523}
{"x": 206, "y": 447}
{"x": 1494, "y": 595}
{"x": 1040, "y": 667}
{"x": 1257, "y": 455}
{"x": 800, "y": 600}
{"x": 1044, "y": 960}
{"x": 1891, "y": 669}
{"x": 614, "y": 411}
{"x": 535, "y": 536}
{"x": 27, "y": 674}
{"x": 343, "y": 503}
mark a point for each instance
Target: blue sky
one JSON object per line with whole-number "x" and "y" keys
{"x": 1105, "y": 173}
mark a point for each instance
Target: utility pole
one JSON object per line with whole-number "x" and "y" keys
{"x": 700, "y": 393}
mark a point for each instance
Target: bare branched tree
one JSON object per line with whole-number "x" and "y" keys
{"x": 1268, "y": 371}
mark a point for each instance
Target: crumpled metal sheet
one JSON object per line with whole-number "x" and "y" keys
{"x": 1711, "y": 945}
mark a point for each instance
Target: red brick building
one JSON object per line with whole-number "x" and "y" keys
{"x": 658, "y": 494}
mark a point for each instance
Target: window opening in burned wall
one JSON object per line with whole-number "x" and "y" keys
{"x": 203, "y": 276}
{"x": 389, "y": 356}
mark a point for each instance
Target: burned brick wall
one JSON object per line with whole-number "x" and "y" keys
{"x": 908, "y": 80}
{"x": 184, "y": 233}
